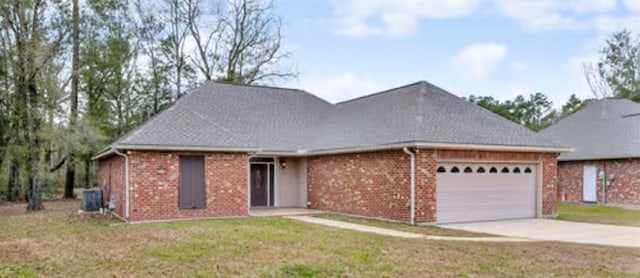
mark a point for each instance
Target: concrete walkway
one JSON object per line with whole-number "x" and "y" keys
{"x": 396, "y": 233}
{"x": 556, "y": 230}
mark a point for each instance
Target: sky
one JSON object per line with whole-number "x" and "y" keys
{"x": 503, "y": 48}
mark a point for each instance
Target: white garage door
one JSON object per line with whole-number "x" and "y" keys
{"x": 477, "y": 192}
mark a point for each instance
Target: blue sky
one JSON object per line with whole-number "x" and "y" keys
{"x": 347, "y": 48}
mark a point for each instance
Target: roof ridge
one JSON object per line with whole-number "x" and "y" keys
{"x": 382, "y": 92}
{"x": 256, "y": 86}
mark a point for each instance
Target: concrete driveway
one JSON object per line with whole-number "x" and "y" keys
{"x": 556, "y": 230}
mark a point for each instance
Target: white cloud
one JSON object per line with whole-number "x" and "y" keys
{"x": 339, "y": 87}
{"x": 394, "y": 17}
{"x": 633, "y": 5}
{"x": 479, "y": 59}
{"x": 539, "y": 15}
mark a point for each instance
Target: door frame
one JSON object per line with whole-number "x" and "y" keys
{"x": 275, "y": 181}
{"x": 539, "y": 176}
{"x": 594, "y": 181}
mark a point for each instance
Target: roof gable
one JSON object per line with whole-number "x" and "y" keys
{"x": 603, "y": 129}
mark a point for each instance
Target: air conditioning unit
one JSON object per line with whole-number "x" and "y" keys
{"x": 92, "y": 200}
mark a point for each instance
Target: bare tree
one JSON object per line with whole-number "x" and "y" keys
{"x": 241, "y": 41}
{"x": 597, "y": 84}
{"x": 207, "y": 44}
{"x": 252, "y": 40}
{"x": 174, "y": 44}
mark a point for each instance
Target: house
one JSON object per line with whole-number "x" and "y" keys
{"x": 606, "y": 137}
{"x": 415, "y": 153}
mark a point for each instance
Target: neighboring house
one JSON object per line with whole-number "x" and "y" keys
{"x": 415, "y": 153}
{"x": 605, "y": 135}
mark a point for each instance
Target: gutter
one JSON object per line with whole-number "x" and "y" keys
{"x": 126, "y": 182}
{"x": 412, "y": 154}
{"x": 304, "y": 153}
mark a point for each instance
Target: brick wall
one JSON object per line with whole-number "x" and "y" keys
{"x": 374, "y": 184}
{"x": 377, "y": 184}
{"x": 623, "y": 191}
{"x": 111, "y": 180}
{"x": 154, "y": 178}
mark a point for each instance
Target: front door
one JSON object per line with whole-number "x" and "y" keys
{"x": 262, "y": 189}
{"x": 589, "y": 184}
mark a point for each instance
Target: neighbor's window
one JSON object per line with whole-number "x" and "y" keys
{"x": 192, "y": 193}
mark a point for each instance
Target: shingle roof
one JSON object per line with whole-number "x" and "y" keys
{"x": 604, "y": 129}
{"x": 223, "y": 115}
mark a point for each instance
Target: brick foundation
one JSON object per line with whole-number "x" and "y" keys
{"x": 623, "y": 191}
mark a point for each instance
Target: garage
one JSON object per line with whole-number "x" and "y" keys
{"x": 485, "y": 191}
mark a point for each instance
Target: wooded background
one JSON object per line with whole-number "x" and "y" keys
{"x": 74, "y": 76}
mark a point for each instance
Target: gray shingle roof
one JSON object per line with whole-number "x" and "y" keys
{"x": 604, "y": 129}
{"x": 223, "y": 115}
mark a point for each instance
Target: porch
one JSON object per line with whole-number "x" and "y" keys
{"x": 270, "y": 212}
{"x": 277, "y": 186}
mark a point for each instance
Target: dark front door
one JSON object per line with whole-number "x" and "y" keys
{"x": 259, "y": 185}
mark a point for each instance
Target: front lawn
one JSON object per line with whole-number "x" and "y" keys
{"x": 59, "y": 242}
{"x": 599, "y": 214}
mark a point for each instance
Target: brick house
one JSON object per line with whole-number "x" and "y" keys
{"x": 605, "y": 135}
{"x": 415, "y": 153}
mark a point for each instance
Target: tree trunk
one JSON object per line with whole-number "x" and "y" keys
{"x": 12, "y": 193}
{"x": 87, "y": 175}
{"x": 71, "y": 171}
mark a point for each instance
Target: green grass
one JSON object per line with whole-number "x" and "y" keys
{"x": 599, "y": 214}
{"x": 426, "y": 230}
{"x": 60, "y": 243}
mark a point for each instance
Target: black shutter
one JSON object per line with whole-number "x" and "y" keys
{"x": 192, "y": 192}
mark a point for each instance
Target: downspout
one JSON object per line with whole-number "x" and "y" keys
{"x": 126, "y": 183}
{"x": 412, "y": 154}
{"x": 604, "y": 183}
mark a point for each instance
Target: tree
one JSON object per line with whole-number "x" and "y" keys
{"x": 243, "y": 43}
{"x": 73, "y": 117}
{"x": 173, "y": 44}
{"x": 535, "y": 112}
{"x": 617, "y": 72}
{"x": 36, "y": 42}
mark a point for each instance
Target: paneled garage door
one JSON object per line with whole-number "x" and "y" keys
{"x": 476, "y": 192}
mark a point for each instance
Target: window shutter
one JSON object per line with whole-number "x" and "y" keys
{"x": 192, "y": 191}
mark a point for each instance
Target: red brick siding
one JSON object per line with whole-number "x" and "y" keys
{"x": 372, "y": 184}
{"x": 549, "y": 170}
{"x": 154, "y": 178}
{"x": 623, "y": 191}
{"x": 111, "y": 181}
{"x": 378, "y": 184}
{"x": 425, "y": 185}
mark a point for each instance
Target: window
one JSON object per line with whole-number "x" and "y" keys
{"x": 441, "y": 170}
{"x": 455, "y": 170}
{"x": 480, "y": 170}
{"x": 527, "y": 170}
{"x": 468, "y": 170}
{"x": 516, "y": 170}
{"x": 191, "y": 191}
{"x": 493, "y": 170}
{"x": 505, "y": 170}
